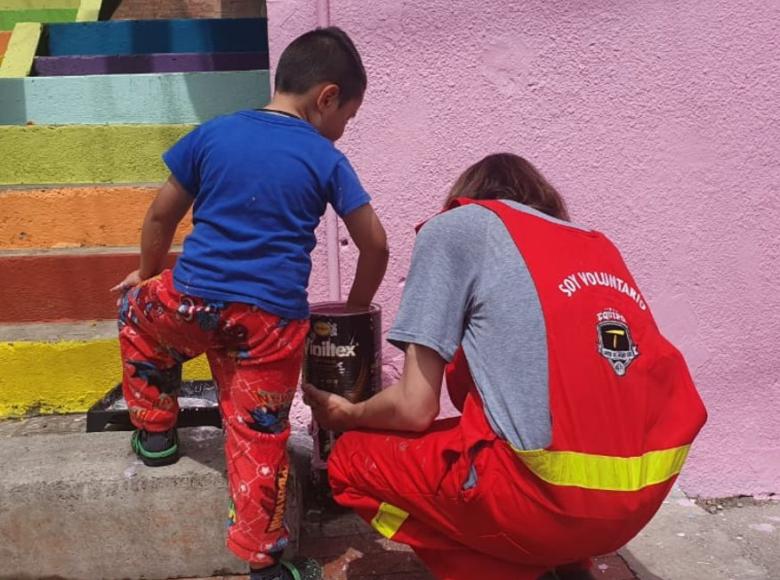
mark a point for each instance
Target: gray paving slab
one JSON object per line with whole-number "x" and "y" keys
{"x": 686, "y": 542}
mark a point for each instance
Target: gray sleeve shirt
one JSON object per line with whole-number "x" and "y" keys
{"x": 468, "y": 285}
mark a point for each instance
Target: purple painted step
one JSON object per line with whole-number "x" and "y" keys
{"x": 54, "y": 66}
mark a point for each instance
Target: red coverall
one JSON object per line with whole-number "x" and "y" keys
{"x": 624, "y": 411}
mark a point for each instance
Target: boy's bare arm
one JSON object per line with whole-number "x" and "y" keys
{"x": 369, "y": 236}
{"x": 162, "y": 219}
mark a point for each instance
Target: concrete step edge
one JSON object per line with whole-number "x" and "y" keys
{"x": 127, "y": 520}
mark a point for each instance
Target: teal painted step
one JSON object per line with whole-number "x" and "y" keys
{"x": 118, "y": 37}
{"x": 131, "y": 99}
{"x": 8, "y": 18}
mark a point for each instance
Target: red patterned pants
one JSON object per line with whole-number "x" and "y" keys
{"x": 255, "y": 359}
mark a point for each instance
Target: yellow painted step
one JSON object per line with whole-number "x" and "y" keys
{"x": 65, "y": 373}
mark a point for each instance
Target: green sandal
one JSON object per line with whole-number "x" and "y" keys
{"x": 167, "y": 444}
{"x": 303, "y": 569}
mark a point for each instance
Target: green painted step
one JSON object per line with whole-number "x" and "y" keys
{"x": 42, "y": 154}
{"x": 9, "y": 18}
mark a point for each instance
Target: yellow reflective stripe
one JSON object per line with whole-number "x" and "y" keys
{"x": 605, "y": 472}
{"x": 388, "y": 520}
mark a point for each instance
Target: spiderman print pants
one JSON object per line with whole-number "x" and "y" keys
{"x": 255, "y": 359}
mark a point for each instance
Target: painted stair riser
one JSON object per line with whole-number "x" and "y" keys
{"x": 89, "y": 11}
{"x": 120, "y": 37}
{"x": 5, "y": 38}
{"x": 149, "y": 63}
{"x": 65, "y": 376}
{"x": 130, "y": 99}
{"x": 47, "y": 288}
{"x": 39, "y": 4}
{"x": 86, "y": 154}
{"x": 20, "y": 54}
{"x": 9, "y": 18}
{"x": 32, "y": 219}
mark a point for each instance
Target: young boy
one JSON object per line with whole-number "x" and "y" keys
{"x": 258, "y": 182}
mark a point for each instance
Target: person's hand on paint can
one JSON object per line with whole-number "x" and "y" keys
{"x": 331, "y": 411}
{"x": 132, "y": 279}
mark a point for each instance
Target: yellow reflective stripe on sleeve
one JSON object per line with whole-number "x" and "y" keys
{"x": 388, "y": 520}
{"x": 605, "y": 472}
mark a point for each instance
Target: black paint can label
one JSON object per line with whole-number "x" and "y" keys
{"x": 342, "y": 355}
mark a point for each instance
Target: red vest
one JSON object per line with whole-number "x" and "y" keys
{"x": 624, "y": 409}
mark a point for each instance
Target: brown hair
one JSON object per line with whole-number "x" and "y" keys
{"x": 509, "y": 176}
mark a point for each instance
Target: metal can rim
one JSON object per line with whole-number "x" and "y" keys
{"x": 320, "y": 309}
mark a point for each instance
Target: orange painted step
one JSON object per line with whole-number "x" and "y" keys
{"x": 69, "y": 217}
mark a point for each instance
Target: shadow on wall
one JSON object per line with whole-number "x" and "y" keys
{"x": 259, "y": 85}
{"x": 108, "y": 8}
{"x": 207, "y": 104}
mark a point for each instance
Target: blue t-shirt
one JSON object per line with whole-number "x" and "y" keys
{"x": 261, "y": 182}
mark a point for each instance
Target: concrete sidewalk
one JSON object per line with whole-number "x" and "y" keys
{"x": 78, "y": 506}
{"x": 740, "y": 539}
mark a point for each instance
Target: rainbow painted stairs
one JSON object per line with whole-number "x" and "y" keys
{"x": 86, "y": 109}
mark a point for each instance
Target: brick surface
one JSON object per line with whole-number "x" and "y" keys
{"x": 351, "y": 550}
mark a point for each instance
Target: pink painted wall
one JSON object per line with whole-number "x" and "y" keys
{"x": 659, "y": 123}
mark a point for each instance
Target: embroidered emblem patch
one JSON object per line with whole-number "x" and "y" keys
{"x": 615, "y": 343}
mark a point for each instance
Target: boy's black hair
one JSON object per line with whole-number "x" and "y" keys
{"x": 324, "y": 55}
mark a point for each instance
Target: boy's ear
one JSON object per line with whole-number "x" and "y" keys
{"x": 329, "y": 97}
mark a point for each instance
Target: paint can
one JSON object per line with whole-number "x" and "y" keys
{"x": 342, "y": 355}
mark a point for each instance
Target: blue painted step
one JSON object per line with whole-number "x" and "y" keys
{"x": 121, "y": 37}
